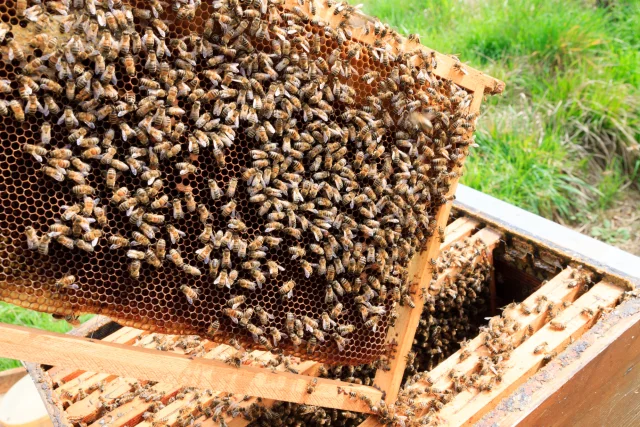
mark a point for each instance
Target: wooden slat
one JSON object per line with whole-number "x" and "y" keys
{"x": 488, "y": 236}
{"x": 172, "y": 412}
{"x": 555, "y": 290}
{"x": 51, "y": 348}
{"x": 468, "y": 406}
{"x": 604, "y": 362}
{"x": 305, "y": 368}
{"x": 9, "y": 377}
{"x": 85, "y": 380}
{"x": 458, "y": 230}
{"x": 87, "y": 409}
{"x": 60, "y": 375}
{"x": 130, "y": 413}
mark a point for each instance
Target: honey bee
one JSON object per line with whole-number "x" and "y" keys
{"x": 160, "y": 202}
{"x": 286, "y": 290}
{"x": 213, "y": 328}
{"x": 263, "y": 316}
{"x": 117, "y": 241}
{"x": 189, "y": 293}
{"x": 372, "y": 323}
{"x": 557, "y": 325}
{"x": 83, "y": 245}
{"x": 336, "y": 311}
{"x": 312, "y": 385}
{"x": 35, "y": 150}
{"x": 216, "y": 193}
{"x": 83, "y": 190}
{"x": 190, "y": 201}
{"x": 588, "y": 312}
{"x": 175, "y": 257}
{"x": 68, "y": 118}
{"x": 540, "y": 348}
{"x": 33, "y": 240}
{"x": 311, "y": 344}
{"x": 134, "y": 269}
{"x": 233, "y": 314}
{"x": 231, "y": 189}
{"x": 15, "y": 51}
{"x": 17, "y": 110}
{"x": 341, "y": 342}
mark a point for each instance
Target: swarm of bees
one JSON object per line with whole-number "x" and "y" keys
{"x": 253, "y": 159}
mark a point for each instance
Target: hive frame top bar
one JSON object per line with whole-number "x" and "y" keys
{"x": 448, "y": 67}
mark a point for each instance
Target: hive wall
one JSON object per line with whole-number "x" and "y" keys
{"x": 155, "y": 301}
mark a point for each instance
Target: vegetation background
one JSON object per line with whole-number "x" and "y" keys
{"x": 563, "y": 141}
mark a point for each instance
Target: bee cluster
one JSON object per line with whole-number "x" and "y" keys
{"x": 234, "y": 169}
{"x": 453, "y": 310}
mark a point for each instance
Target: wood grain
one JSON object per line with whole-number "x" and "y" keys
{"x": 469, "y": 406}
{"x": 401, "y": 335}
{"x": 117, "y": 359}
{"x": 458, "y": 230}
{"x": 9, "y": 377}
{"x": 595, "y": 382}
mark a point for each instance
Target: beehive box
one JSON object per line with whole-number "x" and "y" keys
{"x": 560, "y": 288}
{"x": 225, "y": 135}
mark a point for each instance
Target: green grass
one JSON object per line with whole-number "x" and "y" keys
{"x": 20, "y": 316}
{"x": 560, "y": 139}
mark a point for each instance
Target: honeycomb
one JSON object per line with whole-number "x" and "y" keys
{"x": 339, "y": 152}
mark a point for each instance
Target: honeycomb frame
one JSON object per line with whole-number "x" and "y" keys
{"x": 136, "y": 303}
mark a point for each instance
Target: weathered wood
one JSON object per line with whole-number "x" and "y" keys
{"x": 468, "y": 406}
{"x": 9, "y": 377}
{"x": 594, "y": 382}
{"x": 117, "y": 359}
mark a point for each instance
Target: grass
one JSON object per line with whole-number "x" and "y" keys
{"x": 564, "y": 136}
{"x": 20, "y": 316}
